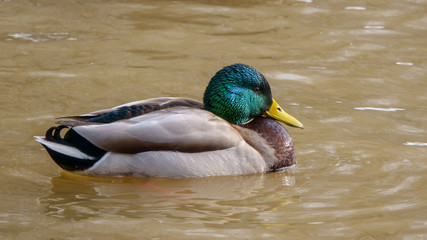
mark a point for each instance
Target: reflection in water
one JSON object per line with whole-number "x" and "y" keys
{"x": 216, "y": 200}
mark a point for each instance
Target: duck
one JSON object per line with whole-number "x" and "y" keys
{"x": 236, "y": 130}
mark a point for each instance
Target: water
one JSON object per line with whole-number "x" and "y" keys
{"x": 353, "y": 72}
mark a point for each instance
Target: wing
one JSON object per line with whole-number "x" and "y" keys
{"x": 183, "y": 129}
{"x": 128, "y": 110}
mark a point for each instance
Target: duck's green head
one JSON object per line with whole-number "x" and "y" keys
{"x": 238, "y": 93}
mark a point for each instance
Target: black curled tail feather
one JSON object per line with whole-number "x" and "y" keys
{"x": 75, "y": 141}
{"x": 53, "y": 134}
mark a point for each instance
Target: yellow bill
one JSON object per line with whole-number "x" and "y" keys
{"x": 279, "y": 114}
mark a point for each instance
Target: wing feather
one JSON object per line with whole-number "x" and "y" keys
{"x": 183, "y": 129}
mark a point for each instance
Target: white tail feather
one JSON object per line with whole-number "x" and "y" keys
{"x": 63, "y": 149}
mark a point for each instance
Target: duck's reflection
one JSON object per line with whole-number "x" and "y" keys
{"x": 212, "y": 199}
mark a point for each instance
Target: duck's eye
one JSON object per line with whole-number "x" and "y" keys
{"x": 257, "y": 89}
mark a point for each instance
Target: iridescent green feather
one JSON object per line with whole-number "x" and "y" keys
{"x": 238, "y": 93}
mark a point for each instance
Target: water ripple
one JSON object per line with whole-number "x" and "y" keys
{"x": 41, "y": 37}
{"x": 420, "y": 144}
{"x": 380, "y": 109}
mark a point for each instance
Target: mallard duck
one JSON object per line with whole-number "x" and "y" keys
{"x": 233, "y": 132}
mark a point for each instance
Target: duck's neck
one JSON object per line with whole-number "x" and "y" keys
{"x": 277, "y": 137}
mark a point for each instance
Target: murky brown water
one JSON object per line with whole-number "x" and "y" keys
{"x": 354, "y": 72}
